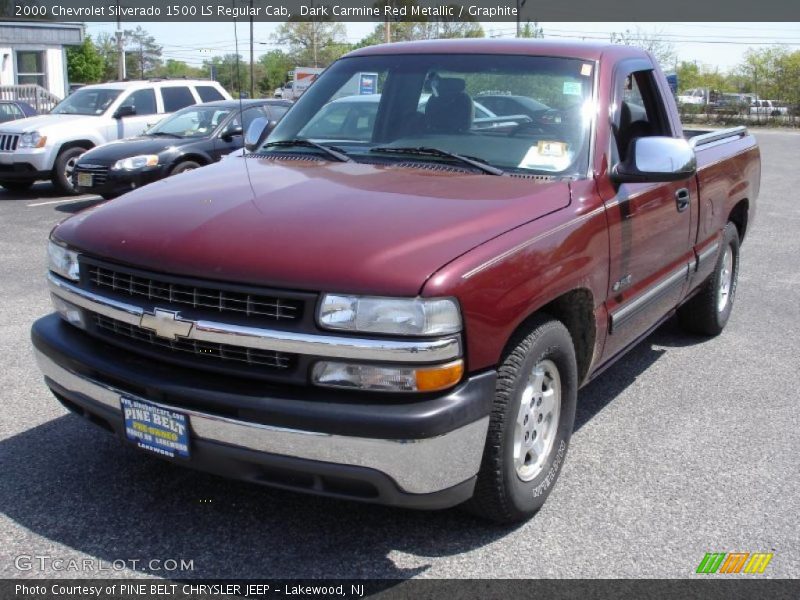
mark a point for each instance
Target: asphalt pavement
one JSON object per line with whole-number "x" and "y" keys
{"x": 686, "y": 446}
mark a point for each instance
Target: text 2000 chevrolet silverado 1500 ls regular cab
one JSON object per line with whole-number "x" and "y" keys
{"x": 393, "y": 302}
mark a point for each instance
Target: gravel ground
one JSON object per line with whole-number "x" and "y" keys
{"x": 685, "y": 446}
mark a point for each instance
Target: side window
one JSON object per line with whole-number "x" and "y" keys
{"x": 276, "y": 111}
{"x": 176, "y": 98}
{"x": 249, "y": 115}
{"x": 641, "y": 112}
{"x": 142, "y": 101}
{"x": 208, "y": 93}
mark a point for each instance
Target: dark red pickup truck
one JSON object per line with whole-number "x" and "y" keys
{"x": 396, "y": 297}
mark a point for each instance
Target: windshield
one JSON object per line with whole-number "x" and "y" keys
{"x": 517, "y": 113}
{"x": 86, "y": 102}
{"x": 194, "y": 121}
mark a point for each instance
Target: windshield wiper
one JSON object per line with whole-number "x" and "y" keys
{"x": 331, "y": 151}
{"x": 425, "y": 151}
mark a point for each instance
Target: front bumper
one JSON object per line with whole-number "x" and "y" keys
{"x": 118, "y": 182}
{"x": 344, "y": 449}
{"x": 26, "y": 164}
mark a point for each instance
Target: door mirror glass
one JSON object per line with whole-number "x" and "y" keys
{"x": 654, "y": 159}
{"x": 232, "y": 131}
{"x": 125, "y": 111}
{"x": 256, "y": 133}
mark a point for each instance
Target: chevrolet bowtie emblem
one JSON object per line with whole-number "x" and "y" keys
{"x": 166, "y": 324}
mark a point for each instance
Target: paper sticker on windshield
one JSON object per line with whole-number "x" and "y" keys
{"x": 546, "y": 156}
{"x": 572, "y": 88}
{"x": 545, "y": 148}
{"x": 586, "y": 69}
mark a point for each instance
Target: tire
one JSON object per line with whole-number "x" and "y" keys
{"x": 62, "y": 170}
{"x": 17, "y": 186}
{"x": 708, "y": 312}
{"x": 538, "y": 371}
{"x": 182, "y": 167}
{"x": 109, "y": 196}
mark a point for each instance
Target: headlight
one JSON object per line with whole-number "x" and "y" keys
{"x": 136, "y": 162}
{"x": 398, "y": 316}
{"x": 63, "y": 261}
{"x": 386, "y": 378}
{"x": 32, "y": 139}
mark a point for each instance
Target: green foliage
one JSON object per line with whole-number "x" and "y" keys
{"x": 313, "y": 43}
{"x": 142, "y": 54}
{"x": 84, "y": 63}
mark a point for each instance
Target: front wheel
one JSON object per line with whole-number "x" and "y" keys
{"x": 17, "y": 186}
{"x": 530, "y": 425}
{"x": 708, "y": 312}
{"x": 182, "y": 167}
{"x": 65, "y": 168}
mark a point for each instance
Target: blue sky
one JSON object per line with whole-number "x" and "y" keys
{"x": 715, "y": 44}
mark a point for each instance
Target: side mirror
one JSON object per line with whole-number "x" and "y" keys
{"x": 125, "y": 111}
{"x": 259, "y": 129}
{"x": 656, "y": 159}
{"x": 231, "y": 132}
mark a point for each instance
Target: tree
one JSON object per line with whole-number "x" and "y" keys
{"x": 143, "y": 54}
{"x": 84, "y": 62}
{"x": 313, "y": 43}
{"x": 529, "y": 30}
{"x": 274, "y": 67}
{"x": 662, "y": 50}
{"x": 174, "y": 69}
{"x": 106, "y": 46}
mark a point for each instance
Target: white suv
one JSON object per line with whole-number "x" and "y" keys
{"x": 48, "y": 146}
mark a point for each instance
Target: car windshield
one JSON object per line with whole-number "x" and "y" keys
{"x": 516, "y": 113}
{"x": 86, "y": 102}
{"x": 194, "y": 121}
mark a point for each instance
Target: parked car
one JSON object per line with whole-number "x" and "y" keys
{"x": 404, "y": 314}
{"x": 48, "y": 146}
{"x": 12, "y": 110}
{"x": 192, "y": 137}
{"x": 770, "y": 108}
{"x": 510, "y": 104}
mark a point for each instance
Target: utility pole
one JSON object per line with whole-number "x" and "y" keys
{"x": 520, "y": 4}
{"x": 252, "y": 64}
{"x": 387, "y": 31}
{"x": 120, "y": 48}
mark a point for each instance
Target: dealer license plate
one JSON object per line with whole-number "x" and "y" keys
{"x": 156, "y": 429}
{"x": 85, "y": 179}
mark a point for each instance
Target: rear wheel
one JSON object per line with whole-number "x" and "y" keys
{"x": 530, "y": 425}
{"x": 64, "y": 169}
{"x": 708, "y": 312}
{"x": 17, "y": 186}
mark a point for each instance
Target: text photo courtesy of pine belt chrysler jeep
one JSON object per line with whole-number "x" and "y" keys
{"x": 48, "y": 146}
{"x": 403, "y": 317}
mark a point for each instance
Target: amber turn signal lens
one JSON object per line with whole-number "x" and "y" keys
{"x": 438, "y": 378}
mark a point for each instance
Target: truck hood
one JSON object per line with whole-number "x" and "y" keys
{"x": 48, "y": 124}
{"x": 310, "y": 224}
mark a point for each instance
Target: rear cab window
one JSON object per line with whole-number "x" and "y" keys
{"x": 176, "y": 97}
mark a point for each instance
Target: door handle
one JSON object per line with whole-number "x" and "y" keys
{"x": 682, "y": 199}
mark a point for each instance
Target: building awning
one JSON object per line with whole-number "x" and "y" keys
{"x": 40, "y": 33}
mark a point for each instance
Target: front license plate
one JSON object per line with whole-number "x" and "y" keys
{"x": 85, "y": 179}
{"x": 156, "y": 429}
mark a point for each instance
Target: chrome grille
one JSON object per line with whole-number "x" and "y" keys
{"x": 8, "y": 142}
{"x": 99, "y": 173}
{"x": 248, "y": 356}
{"x": 214, "y": 299}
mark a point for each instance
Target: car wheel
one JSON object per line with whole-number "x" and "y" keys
{"x": 64, "y": 169}
{"x": 182, "y": 167}
{"x": 530, "y": 424}
{"x": 16, "y": 186}
{"x": 109, "y": 196}
{"x": 708, "y": 312}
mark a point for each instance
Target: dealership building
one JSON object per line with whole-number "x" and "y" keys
{"x": 33, "y": 53}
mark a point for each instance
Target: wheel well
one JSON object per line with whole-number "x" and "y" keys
{"x": 738, "y": 217}
{"x": 575, "y": 310}
{"x": 79, "y": 143}
{"x": 200, "y": 160}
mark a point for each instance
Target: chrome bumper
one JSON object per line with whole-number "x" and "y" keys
{"x": 418, "y": 466}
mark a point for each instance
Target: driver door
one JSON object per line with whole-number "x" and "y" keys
{"x": 649, "y": 223}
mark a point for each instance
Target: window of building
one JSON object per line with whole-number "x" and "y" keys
{"x": 30, "y": 67}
